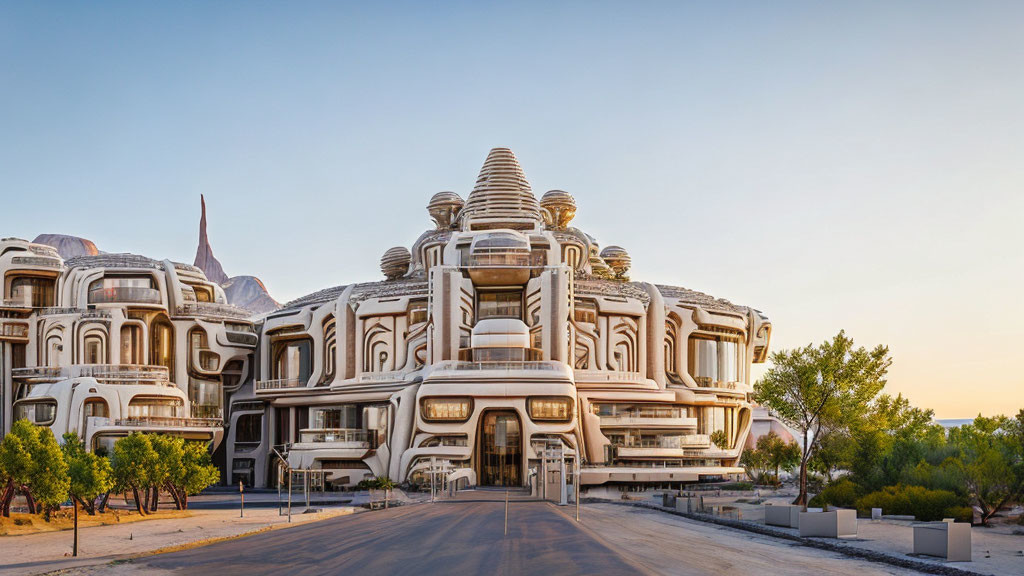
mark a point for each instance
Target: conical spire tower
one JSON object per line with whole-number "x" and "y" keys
{"x": 502, "y": 197}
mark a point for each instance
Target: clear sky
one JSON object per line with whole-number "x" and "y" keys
{"x": 856, "y": 165}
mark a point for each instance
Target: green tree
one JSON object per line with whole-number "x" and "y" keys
{"x": 387, "y": 485}
{"x": 16, "y": 452}
{"x": 169, "y": 452}
{"x": 195, "y": 473}
{"x": 990, "y": 461}
{"x": 133, "y": 458}
{"x": 818, "y": 390}
{"x": 755, "y": 462}
{"x": 49, "y": 472}
{"x": 89, "y": 473}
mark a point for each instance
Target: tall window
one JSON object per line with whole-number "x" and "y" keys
{"x": 249, "y": 428}
{"x": 714, "y": 359}
{"x": 505, "y": 304}
{"x": 94, "y": 350}
{"x": 131, "y": 344}
{"x": 161, "y": 348}
{"x": 292, "y": 360}
{"x": 205, "y": 396}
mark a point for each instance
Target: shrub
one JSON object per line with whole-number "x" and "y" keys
{"x": 842, "y": 492}
{"x": 915, "y": 501}
{"x": 960, "y": 513}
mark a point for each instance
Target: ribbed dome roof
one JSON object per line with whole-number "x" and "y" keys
{"x": 501, "y": 191}
{"x": 395, "y": 262}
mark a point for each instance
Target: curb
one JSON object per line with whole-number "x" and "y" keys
{"x": 852, "y": 552}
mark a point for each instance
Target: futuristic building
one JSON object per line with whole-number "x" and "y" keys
{"x": 503, "y": 335}
{"x": 108, "y": 344}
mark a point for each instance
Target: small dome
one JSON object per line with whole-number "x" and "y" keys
{"x": 395, "y": 262}
{"x": 618, "y": 260}
{"x": 444, "y": 207}
{"x": 560, "y": 206}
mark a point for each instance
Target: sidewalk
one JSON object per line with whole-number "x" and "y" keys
{"x": 46, "y": 552}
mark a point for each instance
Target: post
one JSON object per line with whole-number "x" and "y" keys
{"x": 241, "y": 504}
{"x": 289, "y": 495}
{"x": 279, "y": 489}
{"x": 305, "y": 483}
{"x": 577, "y": 487}
{"x": 74, "y": 549}
{"x": 506, "y": 511}
{"x": 433, "y": 465}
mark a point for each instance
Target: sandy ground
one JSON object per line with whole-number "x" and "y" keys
{"x": 466, "y": 537}
{"x": 45, "y": 552}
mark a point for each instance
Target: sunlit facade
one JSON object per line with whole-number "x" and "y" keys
{"x": 503, "y": 332}
{"x": 114, "y": 343}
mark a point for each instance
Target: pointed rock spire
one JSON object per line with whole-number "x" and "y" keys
{"x": 205, "y": 259}
{"x": 502, "y": 197}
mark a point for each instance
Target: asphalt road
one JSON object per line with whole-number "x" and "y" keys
{"x": 456, "y": 537}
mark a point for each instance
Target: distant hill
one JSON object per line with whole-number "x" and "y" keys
{"x": 954, "y": 422}
{"x": 68, "y": 246}
{"x": 249, "y": 292}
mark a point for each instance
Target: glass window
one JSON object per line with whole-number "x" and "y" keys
{"x": 149, "y": 406}
{"x": 41, "y": 412}
{"x": 249, "y": 428}
{"x": 417, "y": 311}
{"x": 447, "y": 409}
{"x": 97, "y": 408}
{"x": 551, "y": 409}
{"x": 704, "y": 360}
{"x": 123, "y": 289}
{"x": 205, "y": 397}
{"x": 500, "y": 305}
{"x": 336, "y": 417}
{"x": 729, "y": 369}
{"x": 161, "y": 349}
{"x": 292, "y": 360}
{"x": 131, "y": 344}
{"x": 34, "y": 292}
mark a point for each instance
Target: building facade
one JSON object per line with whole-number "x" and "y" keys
{"x": 110, "y": 344}
{"x": 503, "y": 335}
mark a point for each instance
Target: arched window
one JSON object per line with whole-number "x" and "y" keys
{"x": 94, "y": 349}
{"x": 96, "y": 407}
{"x": 161, "y": 348}
{"x": 131, "y": 344}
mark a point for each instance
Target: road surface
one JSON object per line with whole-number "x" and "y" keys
{"x": 467, "y": 537}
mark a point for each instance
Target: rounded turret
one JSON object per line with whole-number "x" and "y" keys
{"x": 618, "y": 260}
{"x": 560, "y": 208}
{"x": 444, "y": 208}
{"x": 395, "y": 262}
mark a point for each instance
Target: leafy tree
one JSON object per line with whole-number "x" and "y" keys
{"x": 195, "y": 473}
{"x": 990, "y": 461}
{"x": 755, "y": 462}
{"x": 90, "y": 474}
{"x": 16, "y": 452}
{"x": 49, "y": 472}
{"x": 133, "y": 458}
{"x": 169, "y": 452}
{"x": 387, "y": 485}
{"x": 835, "y": 451}
{"x": 818, "y": 390}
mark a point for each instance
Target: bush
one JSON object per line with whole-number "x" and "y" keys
{"x": 923, "y": 504}
{"x": 960, "y": 513}
{"x": 842, "y": 493}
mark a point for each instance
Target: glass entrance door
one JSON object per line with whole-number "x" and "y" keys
{"x": 501, "y": 450}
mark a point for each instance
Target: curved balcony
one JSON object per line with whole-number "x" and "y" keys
{"x": 125, "y": 295}
{"x": 167, "y": 422}
{"x": 492, "y": 355}
{"x": 340, "y": 437}
{"x": 113, "y": 374}
{"x": 14, "y": 332}
{"x": 279, "y": 384}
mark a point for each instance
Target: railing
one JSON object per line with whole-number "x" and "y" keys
{"x": 21, "y": 301}
{"x": 389, "y": 376}
{"x": 653, "y": 421}
{"x": 56, "y": 310}
{"x": 708, "y": 382}
{"x": 125, "y": 294}
{"x": 607, "y": 376}
{"x": 168, "y": 421}
{"x": 279, "y": 383}
{"x": 365, "y": 438}
{"x": 503, "y": 259}
{"x": 546, "y": 365}
{"x": 211, "y": 309}
{"x": 46, "y": 262}
{"x": 669, "y": 442}
{"x": 501, "y": 355}
{"x": 116, "y": 374}
{"x": 207, "y": 411}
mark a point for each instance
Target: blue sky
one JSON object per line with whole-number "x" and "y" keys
{"x": 836, "y": 165}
